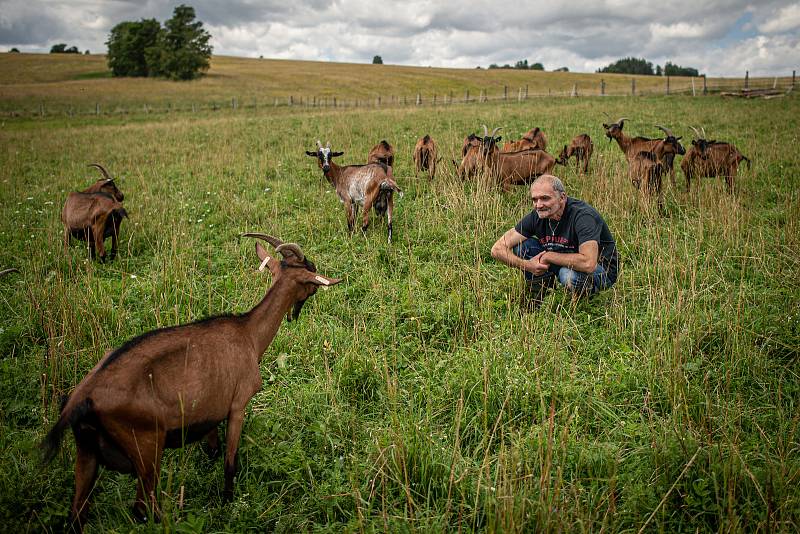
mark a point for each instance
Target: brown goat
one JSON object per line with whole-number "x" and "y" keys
{"x": 475, "y": 152}
{"x": 581, "y": 147}
{"x": 631, "y": 146}
{"x": 533, "y": 138}
{"x": 94, "y": 214}
{"x": 706, "y": 159}
{"x": 383, "y": 152}
{"x": 518, "y": 168}
{"x": 425, "y": 155}
{"x": 370, "y": 186}
{"x": 173, "y": 386}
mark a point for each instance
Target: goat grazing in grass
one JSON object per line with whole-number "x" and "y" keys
{"x": 383, "y": 152}
{"x": 581, "y": 147}
{"x": 712, "y": 158}
{"x": 425, "y": 155}
{"x": 94, "y": 214}
{"x": 370, "y": 186}
{"x": 631, "y": 146}
{"x": 533, "y": 138}
{"x": 173, "y": 386}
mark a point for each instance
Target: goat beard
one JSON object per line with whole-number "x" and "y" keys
{"x": 295, "y": 313}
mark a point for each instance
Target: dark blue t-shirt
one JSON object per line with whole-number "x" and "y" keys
{"x": 578, "y": 224}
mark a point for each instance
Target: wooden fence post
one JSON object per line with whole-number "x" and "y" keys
{"x": 291, "y": 100}
{"x": 705, "y": 87}
{"x": 633, "y": 86}
{"x": 526, "y": 91}
{"x": 41, "y": 109}
{"x": 793, "y": 77}
{"x": 466, "y": 96}
{"x": 693, "y": 93}
{"x": 505, "y": 92}
{"x": 419, "y": 99}
{"x": 434, "y": 99}
{"x": 747, "y": 79}
{"x": 451, "y": 97}
{"x": 519, "y": 95}
{"x": 574, "y": 89}
{"x": 668, "y": 85}
{"x": 602, "y": 87}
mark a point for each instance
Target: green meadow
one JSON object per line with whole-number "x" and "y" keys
{"x": 416, "y": 395}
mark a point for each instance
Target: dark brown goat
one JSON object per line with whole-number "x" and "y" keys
{"x": 631, "y": 146}
{"x": 173, "y": 386}
{"x": 581, "y": 147}
{"x": 533, "y": 138}
{"x": 425, "y": 155}
{"x": 712, "y": 158}
{"x": 94, "y": 214}
{"x": 383, "y": 152}
{"x": 518, "y": 168}
{"x": 370, "y": 186}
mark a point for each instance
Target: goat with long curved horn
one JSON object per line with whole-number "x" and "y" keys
{"x": 699, "y": 136}
{"x": 102, "y": 170}
{"x": 496, "y": 130}
{"x": 665, "y": 130}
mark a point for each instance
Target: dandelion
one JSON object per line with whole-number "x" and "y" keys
{"x": 133, "y": 276}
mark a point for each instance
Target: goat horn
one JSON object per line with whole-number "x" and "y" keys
{"x": 696, "y": 132}
{"x": 328, "y": 145}
{"x": 290, "y": 248}
{"x": 704, "y": 131}
{"x": 485, "y": 130}
{"x": 274, "y": 241}
{"x": 619, "y": 121}
{"x": 102, "y": 169}
{"x": 496, "y": 130}
{"x": 7, "y": 271}
{"x": 319, "y": 144}
{"x": 665, "y": 130}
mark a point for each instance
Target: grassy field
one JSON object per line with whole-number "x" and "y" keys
{"x": 416, "y": 395}
{"x": 56, "y": 84}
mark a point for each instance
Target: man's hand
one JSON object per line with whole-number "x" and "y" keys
{"x": 538, "y": 265}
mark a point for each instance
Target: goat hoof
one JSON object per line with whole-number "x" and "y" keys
{"x": 227, "y": 495}
{"x": 212, "y": 452}
{"x": 139, "y": 515}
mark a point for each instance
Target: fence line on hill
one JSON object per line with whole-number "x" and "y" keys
{"x": 697, "y": 86}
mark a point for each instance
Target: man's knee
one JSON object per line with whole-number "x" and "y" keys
{"x": 575, "y": 282}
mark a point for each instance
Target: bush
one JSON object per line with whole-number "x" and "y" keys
{"x": 629, "y": 65}
{"x": 377, "y": 60}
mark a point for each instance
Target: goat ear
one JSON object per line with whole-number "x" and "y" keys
{"x": 312, "y": 154}
{"x": 335, "y": 154}
{"x": 605, "y": 126}
{"x": 267, "y": 260}
{"x": 324, "y": 281}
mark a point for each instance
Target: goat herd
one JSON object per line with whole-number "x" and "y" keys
{"x": 173, "y": 386}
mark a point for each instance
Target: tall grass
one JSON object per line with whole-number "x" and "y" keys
{"x": 417, "y": 395}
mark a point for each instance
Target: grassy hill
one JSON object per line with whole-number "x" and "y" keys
{"x": 60, "y": 82}
{"x": 416, "y": 395}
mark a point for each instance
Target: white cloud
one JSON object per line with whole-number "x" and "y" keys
{"x": 787, "y": 19}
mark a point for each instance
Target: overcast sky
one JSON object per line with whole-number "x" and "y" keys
{"x": 718, "y": 37}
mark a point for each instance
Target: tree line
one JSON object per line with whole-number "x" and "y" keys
{"x": 179, "y": 50}
{"x": 633, "y": 65}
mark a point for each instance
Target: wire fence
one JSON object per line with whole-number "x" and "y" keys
{"x": 699, "y": 86}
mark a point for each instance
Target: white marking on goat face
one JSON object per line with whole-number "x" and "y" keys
{"x": 324, "y": 156}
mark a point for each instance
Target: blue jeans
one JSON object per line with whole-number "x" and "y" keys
{"x": 574, "y": 281}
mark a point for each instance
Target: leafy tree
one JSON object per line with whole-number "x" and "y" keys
{"x": 522, "y": 64}
{"x": 15, "y": 50}
{"x": 182, "y": 52}
{"x": 658, "y": 70}
{"x": 59, "y": 48}
{"x": 537, "y": 66}
{"x": 128, "y": 46}
{"x": 377, "y": 60}
{"x": 629, "y": 65}
{"x": 675, "y": 70}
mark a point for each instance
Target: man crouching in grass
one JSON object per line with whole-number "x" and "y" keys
{"x": 562, "y": 239}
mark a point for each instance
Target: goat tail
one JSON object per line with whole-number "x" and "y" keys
{"x": 390, "y": 185}
{"x": 122, "y": 212}
{"x": 70, "y": 414}
{"x": 746, "y": 159}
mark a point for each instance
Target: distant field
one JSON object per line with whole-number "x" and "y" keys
{"x": 416, "y": 395}
{"x": 60, "y": 83}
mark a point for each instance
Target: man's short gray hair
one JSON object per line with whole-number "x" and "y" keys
{"x": 554, "y": 181}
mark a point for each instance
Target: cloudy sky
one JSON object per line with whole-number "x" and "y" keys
{"x": 718, "y": 37}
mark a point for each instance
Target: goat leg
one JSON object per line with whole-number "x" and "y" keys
{"x": 85, "y": 475}
{"x": 98, "y": 228}
{"x": 149, "y": 452}
{"x": 212, "y": 444}
{"x": 389, "y": 208}
{"x": 348, "y": 207}
{"x": 368, "y": 201}
{"x": 67, "y": 235}
{"x": 235, "y": 421}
